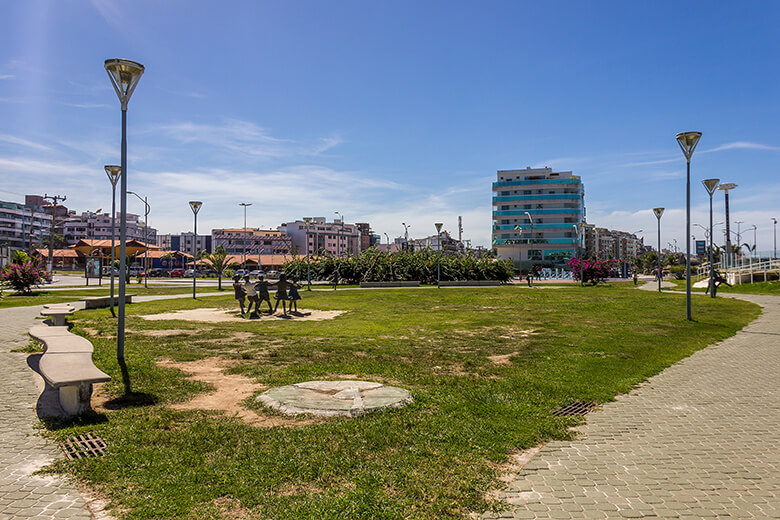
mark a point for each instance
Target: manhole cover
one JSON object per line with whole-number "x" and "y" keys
{"x": 85, "y": 445}
{"x": 575, "y": 408}
{"x": 331, "y": 398}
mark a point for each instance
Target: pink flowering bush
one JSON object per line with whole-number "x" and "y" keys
{"x": 22, "y": 277}
{"x": 593, "y": 271}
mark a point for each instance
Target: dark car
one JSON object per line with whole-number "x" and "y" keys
{"x": 176, "y": 273}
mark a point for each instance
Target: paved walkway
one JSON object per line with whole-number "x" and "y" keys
{"x": 699, "y": 440}
{"x": 22, "y": 450}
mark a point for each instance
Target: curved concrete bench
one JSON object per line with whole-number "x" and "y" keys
{"x": 98, "y": 302}
{"x": 66, "y": 364}
{"x": 398, "y": 283}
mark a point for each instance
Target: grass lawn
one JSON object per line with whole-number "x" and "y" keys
{"x": 767, "y": 288}
{"x": 43, "y": 296}
{"x": 433, "y": 459}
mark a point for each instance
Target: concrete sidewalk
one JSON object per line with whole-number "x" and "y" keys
{"x": 699, "y": 440}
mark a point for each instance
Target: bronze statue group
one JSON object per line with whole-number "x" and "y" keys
{"x": 257, "y": 292}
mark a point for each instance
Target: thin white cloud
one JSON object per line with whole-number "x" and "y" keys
{"x": 245, "y": 138}
{"x": 742, "y": 145}
{"x": 87, "y": 105}
{"x": 23, "y": 142}
{"x": 7, "y": 76}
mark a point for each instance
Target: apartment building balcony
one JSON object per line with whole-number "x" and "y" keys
{"x": 569, "y": 180}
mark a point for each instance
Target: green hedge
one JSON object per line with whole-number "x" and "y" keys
{"x": 377, "y": 266}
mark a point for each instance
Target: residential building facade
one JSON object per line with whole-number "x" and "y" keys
{"x": 537, "y": 215}
{"x": 184, "y": 242}
{"x": 335, "y": 238}
{"x": 252, "y": 241}
{"x": 23, "y": 226}
{"x": 442, "y": 241}
{"x": 603, "y": 243}
{"x": 97, "y": 226}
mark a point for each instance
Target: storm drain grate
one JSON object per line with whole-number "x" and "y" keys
{"x": 575, "y": 408}
{"x": 85, "y": 445}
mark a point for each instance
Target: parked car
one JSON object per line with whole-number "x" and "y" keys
{"x": 107, "y": 270}
{"x": 241, "y": 272}
{"x": 157, "y": 272}
{"x": 273, "y": 274}
{"x": 188, "y": 273}
{"x": 177, "y": 273}
{"x": 135, "y": 270}
{"x": 257, "y": 272}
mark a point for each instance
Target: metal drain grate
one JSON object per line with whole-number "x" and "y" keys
{"x": 86, "y": 445}
{"x": 575, "y": 408}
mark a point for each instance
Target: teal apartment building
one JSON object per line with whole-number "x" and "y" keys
{"x": 537, "y": 216}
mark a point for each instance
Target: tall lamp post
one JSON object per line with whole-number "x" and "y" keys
{"x": 406, "y": 235}
{"x": 711, "y": 185}
{"x": 146, "y": 235}
{"x": 726, "y": 186}
{"x": 245, "y": 204}
{"x": 774, "y": 243}
{"x": 124, "y": 75}
{"x": 688, "y": 142}
{"x": 195, "y": 206}
{"x": 308, "y": 262}
{"x": 658, "y": 214}
{"x": 755, "y": 247}
{"x": 113, "y": 172}
{"x": 438, "y": 258}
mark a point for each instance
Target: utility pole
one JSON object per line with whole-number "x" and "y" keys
{"x": 54, "y": 199}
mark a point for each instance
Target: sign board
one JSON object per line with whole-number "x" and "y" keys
{"x": 701, "y": 247}
{"x": 93, "y": 268}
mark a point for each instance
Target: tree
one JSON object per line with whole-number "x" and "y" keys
{"x": 218, "y": 260}
{"x": 22, "y": 277}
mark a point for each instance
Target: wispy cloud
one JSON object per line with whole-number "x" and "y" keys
{"x": 7, "y": 76}
{"x": 742, "y": 145}
{"x": 247, "y": 139}
{"x": 23, "y": 142}
{"x": 87, "y": 105}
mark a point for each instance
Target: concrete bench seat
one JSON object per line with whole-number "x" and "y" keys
{"x": 66, "y": 364}
{"x": 57, "y": 306}
{"x": 99, "y": 302}
{"x": 399, "y": 283}
{"x": 58, "y": 314}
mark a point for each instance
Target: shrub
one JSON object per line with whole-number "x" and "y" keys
{"x": 22, "y": 277}
{"x": 591, "y": 271}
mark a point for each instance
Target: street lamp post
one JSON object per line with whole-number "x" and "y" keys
{"x": 755, "y": 247}
{"x": 438, "y": 258}
{"x": 406, "y": 235}
{"x": 726, "y": 186}
{"x": 774, "y": 243}
{"x": 688, "y": 142}
{"x": 308, "y": 262}
{"x": 711, "y": 185}
{"x": 146, "y": 235}
{"x": 124, "y": 75}
{"x": 658, "y": 213}
{"x": 195, "y": 206}
{"x": 113, "y": 172}
{"x": 245, "y": 204}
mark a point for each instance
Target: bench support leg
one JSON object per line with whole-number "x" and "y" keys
{"x": 75, "y": 399}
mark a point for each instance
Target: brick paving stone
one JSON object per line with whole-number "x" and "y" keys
{"x": 698, "y": 440}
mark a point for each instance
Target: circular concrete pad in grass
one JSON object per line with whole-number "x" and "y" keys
{"x": 332, "y": 398}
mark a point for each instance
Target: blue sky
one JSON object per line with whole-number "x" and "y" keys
{"x": 394, "y": 111}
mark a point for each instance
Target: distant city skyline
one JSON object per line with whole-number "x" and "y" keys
{"x": 393, "y": 113}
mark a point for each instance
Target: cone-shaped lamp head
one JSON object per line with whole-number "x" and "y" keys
{"x": 711, "y": 185}
{"x": 438, "y": 227}
{"x": 124, "y": 75}
{"x": 688, "y": 142}
{"x": 195, "y": 205}
{"x": 114, "y": 172}
{"x": 658, "y": 212}
{"x": 726, "y": 186}
{"x": 307, "y": 219}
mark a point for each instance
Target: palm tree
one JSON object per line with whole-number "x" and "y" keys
{"x": 218, "y": 260}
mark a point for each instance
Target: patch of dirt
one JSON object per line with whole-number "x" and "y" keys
{"x": 297, "y": 489}
{"x": 96, "y": 502}
{"x": 91, "y": 331}
{"x": 502, "y": 359}
{"x": 231, "y": 391}
{"x": 213, "y": 315}
{"x": 168, "y": 332}
{"x": 231, "y": 508}
{"x": 236, "y": 336}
